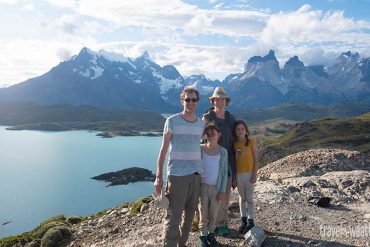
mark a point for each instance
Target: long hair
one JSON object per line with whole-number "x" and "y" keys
{"x": 242, "y": 122}
{"x": 211, "y": 127}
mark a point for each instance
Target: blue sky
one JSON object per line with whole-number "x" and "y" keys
{"x": 212, "y": 37}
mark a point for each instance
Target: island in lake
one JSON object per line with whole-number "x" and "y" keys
{"x": 125, "y": 176}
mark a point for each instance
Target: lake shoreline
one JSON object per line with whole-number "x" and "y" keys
{"x": 104, "y": 134}
{"x": 46, "y": 173}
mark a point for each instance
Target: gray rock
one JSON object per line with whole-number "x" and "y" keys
{"x": 124, "y": 210}
{"x": 144, "y": 207}
{"x": 255, "y": 236}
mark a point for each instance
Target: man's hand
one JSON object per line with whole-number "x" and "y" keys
{"x": 158, "y": 184}
{"x": 220, "y": 196}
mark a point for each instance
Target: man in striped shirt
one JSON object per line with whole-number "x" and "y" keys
{"x": 182, "y": 133}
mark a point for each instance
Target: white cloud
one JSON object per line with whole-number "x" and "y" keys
{"x": 173, "y": 15}
{"x": 306, "y": 25}
{"x": 24, "y": 59}
{"x": 304, "y": 8}
{"x": 64, "y": 54}
{"x": 198, "y": 24}
{"x": 218, "y": 6}
{"x": 28, "y": 7}
{"x": 64, "y": 4}
{"x": 8, "y": 1}
{"x": 317, "y": 55}
{"x": 67, "y": 23}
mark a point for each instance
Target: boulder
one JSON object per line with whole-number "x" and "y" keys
{"x": 255, "y": 237}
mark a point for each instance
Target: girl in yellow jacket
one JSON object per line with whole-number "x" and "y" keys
{"x": 246, "y": 173}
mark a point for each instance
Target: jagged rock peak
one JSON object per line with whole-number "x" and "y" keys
{"x": 110, "y": 56}
{"x": 84, "y": 52}
{"x": 268, "y": 57}
{"x": 350, "y": 55}
{"x": 198, "y": 77}
{"x": 294, "y": 61}
{"x": 145, "y": 55}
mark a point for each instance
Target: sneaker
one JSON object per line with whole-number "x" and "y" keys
{"x": 250, "y": 225}
{"x": 203, "y": 241}
{"x": 212, "y": 240}
{"x": 223, "y": 231}
{"x": 243, "y": 225}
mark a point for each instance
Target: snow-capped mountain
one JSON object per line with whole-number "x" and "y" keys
{"x": 102, "y": 79}
{"x": 204, "y": 85}
{"x": 110, "y": 80}
{"x": 350, "y": 75}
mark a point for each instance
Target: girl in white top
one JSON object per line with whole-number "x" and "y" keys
{"x": 214, "y": 178}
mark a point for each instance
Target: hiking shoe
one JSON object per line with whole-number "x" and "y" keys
{"x": 243, "y": 225}
{"x": 223, "y": 231}
{"x": 203, "y": 241}
{"x": 250, "y": 225}
{"x": 212, "y": 240}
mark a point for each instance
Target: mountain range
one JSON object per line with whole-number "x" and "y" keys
{"x": 112, "y": 81}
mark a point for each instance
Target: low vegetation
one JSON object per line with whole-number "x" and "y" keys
{"x": 343, "y": 133}
{"x": 136, "y": 205}
{"x": 57, "y": 222}
{"x": 304, "y": 112}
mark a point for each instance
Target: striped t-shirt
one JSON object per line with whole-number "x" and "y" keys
{"x": 185, "y": 156}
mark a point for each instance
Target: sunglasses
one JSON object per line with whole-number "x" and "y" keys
{"x": 187, "y": 100}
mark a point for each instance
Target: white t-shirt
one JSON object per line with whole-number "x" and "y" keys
{"x": 185, "y": 156}
{"x": 210, "y": 167}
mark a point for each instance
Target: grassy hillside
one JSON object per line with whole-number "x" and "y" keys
{"x": 344, "y": 133}
{"x": 304, "y": 112}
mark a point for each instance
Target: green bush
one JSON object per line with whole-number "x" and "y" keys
{"x": 74, "y": 219}
{"x": 135, "y": 206}
{"x": 56, "y": 236}
{"x": 35, "y": 234}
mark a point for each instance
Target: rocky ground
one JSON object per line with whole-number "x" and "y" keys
{"x": 282, "y": 209}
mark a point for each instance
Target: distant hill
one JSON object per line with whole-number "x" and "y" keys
{"x": 343, "y": 133}
{"x": 304, "y": 112}
{"x": 66, "y": 117}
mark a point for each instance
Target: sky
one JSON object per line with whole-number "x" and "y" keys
{"x": 212, "y": 37}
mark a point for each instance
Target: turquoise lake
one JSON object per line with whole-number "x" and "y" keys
{"x": 44, "y": 174}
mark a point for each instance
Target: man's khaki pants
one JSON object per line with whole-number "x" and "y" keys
{"x": 183, "y": 194}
